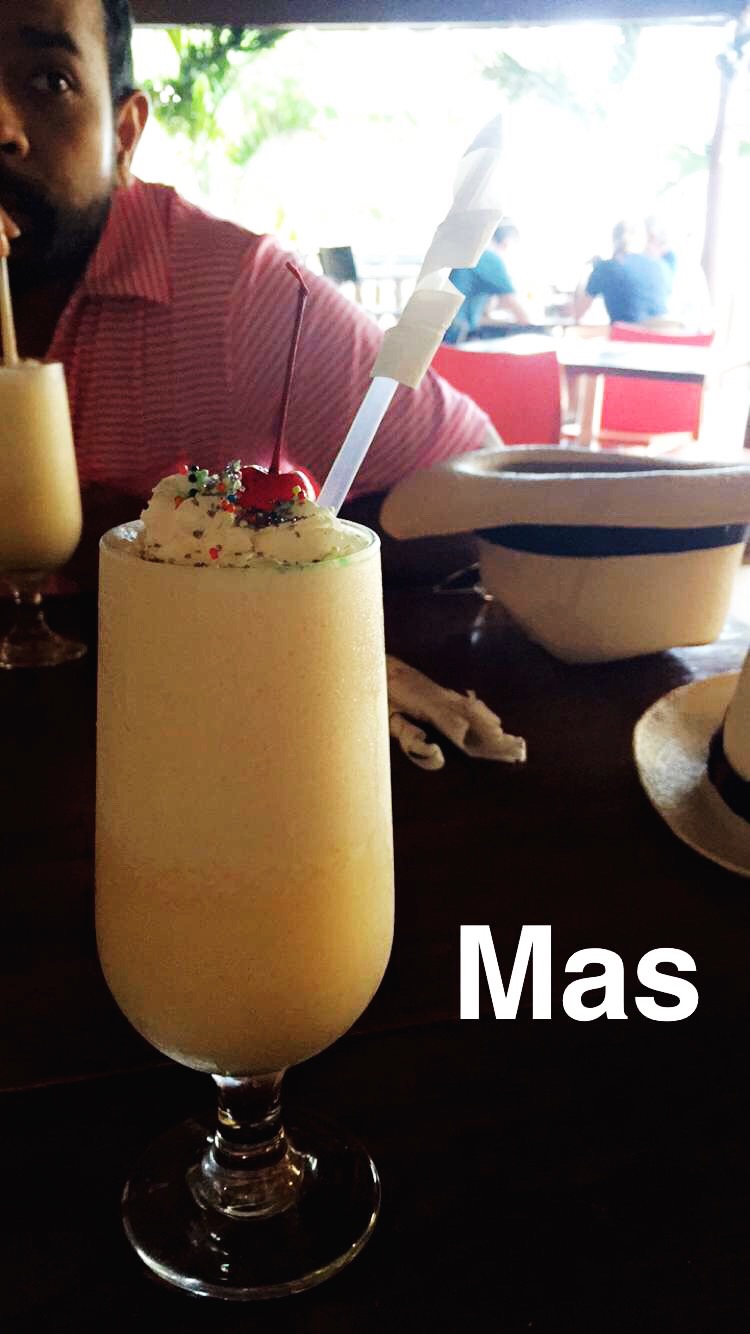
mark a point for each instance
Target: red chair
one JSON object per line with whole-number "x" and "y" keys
{"x": 655, "y": 407}
{"x": 519, "y": 391}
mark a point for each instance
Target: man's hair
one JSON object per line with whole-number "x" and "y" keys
{"x": 507, "y": 231}
{"x": 118, "y": 28}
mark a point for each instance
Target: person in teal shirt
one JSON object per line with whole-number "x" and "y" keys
{"x": 487, "y": 280}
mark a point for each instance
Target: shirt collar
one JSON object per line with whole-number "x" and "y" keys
{"x": 132, "y": 257}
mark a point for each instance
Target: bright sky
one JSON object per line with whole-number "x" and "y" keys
{"x": 378, "y": 172}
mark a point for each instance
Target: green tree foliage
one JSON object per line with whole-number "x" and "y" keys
{"x": 211, "y": 61}
{"x": 552, "y": 84}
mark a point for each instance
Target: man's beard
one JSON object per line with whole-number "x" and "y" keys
{"x": 56, "y": 241}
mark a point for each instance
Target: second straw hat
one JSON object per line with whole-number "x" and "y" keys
{"x": 692, "y": 750}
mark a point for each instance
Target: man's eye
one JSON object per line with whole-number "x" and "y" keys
{"x": 51, "y": 81}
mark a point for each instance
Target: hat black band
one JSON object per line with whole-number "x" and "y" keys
{"x": 594, "y": 541}
{"x": 733, "y": 789}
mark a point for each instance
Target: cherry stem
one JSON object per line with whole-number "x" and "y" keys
{"x": 302, "y": 296}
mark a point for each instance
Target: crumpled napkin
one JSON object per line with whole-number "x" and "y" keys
{"x": 464, "y": 719}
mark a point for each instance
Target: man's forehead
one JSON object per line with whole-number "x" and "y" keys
{"x": 83, "y": 20}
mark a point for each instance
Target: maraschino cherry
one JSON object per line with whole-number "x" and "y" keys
{"x": 263, "y": 488}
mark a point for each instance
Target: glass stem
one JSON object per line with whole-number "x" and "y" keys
{"x": 27, "y": 597}
{"x": 249, "y": 1169}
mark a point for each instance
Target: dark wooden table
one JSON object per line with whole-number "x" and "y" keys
{"x": 551, "y": 1176}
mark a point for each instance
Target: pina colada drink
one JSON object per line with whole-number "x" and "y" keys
{"x": 244, "y": 857}
{"x": 39, "y": 493}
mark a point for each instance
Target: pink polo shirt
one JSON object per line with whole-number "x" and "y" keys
{"x": 175, "y": 346}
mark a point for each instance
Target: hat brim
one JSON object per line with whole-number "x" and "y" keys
{"x": 670, "y": 745}
{"x": 567, "y": 487}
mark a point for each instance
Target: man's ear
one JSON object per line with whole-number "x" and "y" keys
{"x": 130, "y": 118}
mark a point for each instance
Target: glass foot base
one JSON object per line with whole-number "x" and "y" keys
{"x": 211, "y": 1255}
{"x": 46, "y": 649}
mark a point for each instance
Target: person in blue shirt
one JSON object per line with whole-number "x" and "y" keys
{"x": 635, "y": 286}
{"x": 658, "y": 246}
{"x": 489, "y": 280}
{"x": 689, "y": 301}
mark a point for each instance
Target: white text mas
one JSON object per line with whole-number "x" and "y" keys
{"x": 535, "y": 949}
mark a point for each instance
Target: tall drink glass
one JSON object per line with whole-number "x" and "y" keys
{"x": 244, "y": 889}
{"x": 40, "y": 501}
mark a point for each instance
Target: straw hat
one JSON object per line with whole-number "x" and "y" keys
{"x": 692, "y": 751}
{"x": 564, "y": 485}
{"x": 598, "y": 556}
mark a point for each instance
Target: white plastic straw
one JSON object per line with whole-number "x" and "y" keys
{"x": 359, "y": 437}
{"x": 10, "y": 351}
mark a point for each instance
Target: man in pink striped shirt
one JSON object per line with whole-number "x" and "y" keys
{"x": 173, "y": 326}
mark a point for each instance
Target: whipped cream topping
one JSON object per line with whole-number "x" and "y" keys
{"x": 198, "y": 518}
